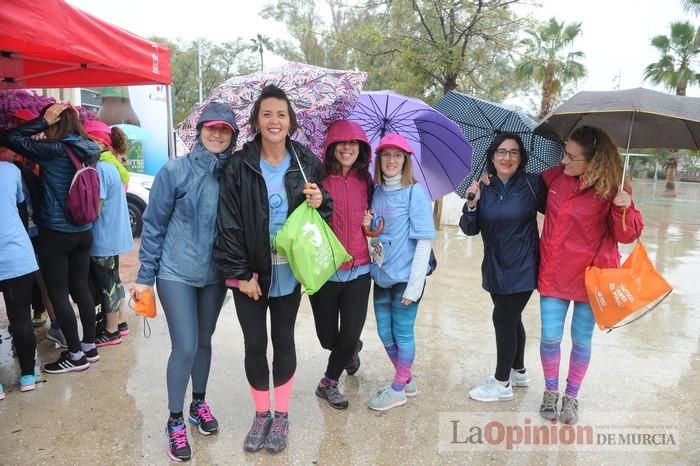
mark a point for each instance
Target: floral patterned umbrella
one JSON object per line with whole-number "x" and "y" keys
{"x": 319, "y": 97}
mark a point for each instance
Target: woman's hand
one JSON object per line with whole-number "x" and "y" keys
{"x": 137, "y": 289}
{"x": 473, "y": 189}
{"x": 314, "y": 196}
{"x": 406, "y": 302}
{"x": 367, "y": 219}
{"x": 53, "y": 113}
{"x": 250, "y": 288}
{"x": 622, "y": 200}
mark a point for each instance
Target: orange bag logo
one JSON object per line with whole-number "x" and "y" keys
{"x": 615, "y": 294}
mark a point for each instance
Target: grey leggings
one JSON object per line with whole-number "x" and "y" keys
{"x": 192, "y": 314}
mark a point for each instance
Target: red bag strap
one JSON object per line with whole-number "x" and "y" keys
{"x": 76, "y": 163}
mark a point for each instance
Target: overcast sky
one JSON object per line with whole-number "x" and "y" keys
{"x": 615, "y": 39}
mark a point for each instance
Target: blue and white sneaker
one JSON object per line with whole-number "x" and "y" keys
{"x": 387, "y": 399}
{"x": 27, "y": 383}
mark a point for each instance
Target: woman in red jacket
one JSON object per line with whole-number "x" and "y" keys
{"x": 340, "y": 306}
{"x": 582, "y": 226}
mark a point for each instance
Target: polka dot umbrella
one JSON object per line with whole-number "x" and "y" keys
{"x": 481, "y": 121}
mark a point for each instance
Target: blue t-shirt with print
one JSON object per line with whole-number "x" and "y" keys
{"x": 283, "y": 280}
{"x": 404, "y": 224}
{"x": 16, "y": 252}
{"x": 112, "y": 230}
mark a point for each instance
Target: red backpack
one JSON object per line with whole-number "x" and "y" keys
{"x": 83, "y": 201}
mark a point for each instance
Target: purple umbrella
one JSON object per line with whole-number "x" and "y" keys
{"x": 442, "y": 156}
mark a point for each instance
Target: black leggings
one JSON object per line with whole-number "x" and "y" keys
{"x": 347, "y": 302}
{"x": 252, "y": 315}
{"x": 18, "y": 297}
{"x": 65, "y": 264}
{"x": 510, "y": 333}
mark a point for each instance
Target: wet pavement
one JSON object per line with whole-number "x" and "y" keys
{"x": 644, "y": 376}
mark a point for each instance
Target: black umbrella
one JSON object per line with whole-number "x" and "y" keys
{"x": 634, "y": 118}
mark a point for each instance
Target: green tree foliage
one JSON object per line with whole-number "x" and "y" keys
{"x": 678, "y": 52}
{"x": 219, "y": 62}
{"x": 419, "y": 48}
{"x": 547, "y": 61}
{"x": 692, "y": 6}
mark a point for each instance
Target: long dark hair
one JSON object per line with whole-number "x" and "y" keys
{"x": 497, "y": 141}
{"x": 332, "y": 165}
{"x": 268, "y": 92}
{"x": 69, "y": 123}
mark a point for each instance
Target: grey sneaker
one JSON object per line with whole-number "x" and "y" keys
{"x": 387, "y": 399}
{"x": 411, "y": 388}
{"x": 519, "y": 380}
{"x": 56, "y": 335}
{"x": 569, "y": 410}
{"x": 276, "y": 439}
{"x": 255, "y": 439}
{"x": 548, "y": 408}
{"x": 332, "y": 394}
{"x": 491, "y": 390}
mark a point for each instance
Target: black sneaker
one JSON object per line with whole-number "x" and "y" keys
{"x": 66, "y": 364}
{"x": 92, "y": 355}
{"x": 178, "y": 446}
{"x": 200, "y": 416}
{"x": 255, "y": 439}
{"x": 123, "y": 329}
{"x": 106, "y": 339}
{"x": 332, "y": 394}
{"x": 276, "y": 439}
{"x": 354, "y": 364}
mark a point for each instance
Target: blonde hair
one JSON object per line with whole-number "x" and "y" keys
{"x": 406, "y": 173}
{"x": 604, "y": 172}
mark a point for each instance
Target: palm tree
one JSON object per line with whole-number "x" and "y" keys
{"x": 260, "y": 43}
{"x": 546, "y": 62}
{"x": 678, "y": 51}
{"x": 692, "y": 6}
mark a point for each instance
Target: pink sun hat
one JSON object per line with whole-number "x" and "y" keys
{"x": 394, "y": 140}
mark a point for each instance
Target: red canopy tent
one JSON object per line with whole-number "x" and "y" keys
{"x": 50, "y": 44}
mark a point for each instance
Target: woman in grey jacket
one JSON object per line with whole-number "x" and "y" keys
{"x": 179, "y": 228}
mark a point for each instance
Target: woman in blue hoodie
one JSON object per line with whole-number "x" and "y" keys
{"x": 64, "y": 248}
{"x": 505, "y": 213}
{"x": 179, "y": 228}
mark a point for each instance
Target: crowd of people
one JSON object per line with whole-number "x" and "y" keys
{"x": 204, "y": 233}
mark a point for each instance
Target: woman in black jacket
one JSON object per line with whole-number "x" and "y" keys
{"x": 260, "y": 186}
{"x": 505, "y": 213}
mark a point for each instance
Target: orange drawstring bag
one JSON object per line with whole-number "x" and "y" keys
{"x": 145, "y": 306}
{"x": 615, "y": 294}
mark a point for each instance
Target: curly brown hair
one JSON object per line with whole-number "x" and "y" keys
{"x": 604, "y": 171}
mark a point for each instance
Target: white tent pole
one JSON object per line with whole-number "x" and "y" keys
{"x": 171, "y": 131}
{"x": 627, "y": 152}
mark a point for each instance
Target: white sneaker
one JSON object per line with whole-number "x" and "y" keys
{"x": 519, "y": 380}
{"x": 492, "y": 390}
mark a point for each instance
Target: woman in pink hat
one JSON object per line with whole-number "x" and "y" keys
{"x": 401, "y": 254}
{"x": 340, "y": 306}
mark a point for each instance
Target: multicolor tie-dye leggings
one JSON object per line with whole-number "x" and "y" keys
{"x": 395, "y": 323}
{"x": 553, "y": 314}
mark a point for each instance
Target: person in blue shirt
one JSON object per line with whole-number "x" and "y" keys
{"x": 179, "y": 229}
{"x": 17, "y": 267}
{"x": 399, "y": 270}
{"x": 505, "y": 213}
{"x": 111, "y": 233}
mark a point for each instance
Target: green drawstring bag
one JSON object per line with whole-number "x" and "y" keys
{"x": 312, "y": 249}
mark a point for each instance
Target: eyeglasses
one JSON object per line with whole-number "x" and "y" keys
{"x": 389, "y": 155}
{"x": 513, "y": 153}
